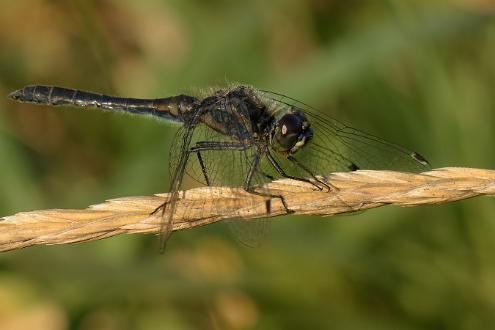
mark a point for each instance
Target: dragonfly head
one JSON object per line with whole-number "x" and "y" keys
{"x": 291, "y": 132}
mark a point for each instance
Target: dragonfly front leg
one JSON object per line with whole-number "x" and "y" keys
{"x": 280, "y": 171}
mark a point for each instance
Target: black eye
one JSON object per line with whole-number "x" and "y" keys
{"x": 291, "y": 132}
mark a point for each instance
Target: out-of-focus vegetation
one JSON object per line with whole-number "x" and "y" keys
{"x": 420, "y": 73}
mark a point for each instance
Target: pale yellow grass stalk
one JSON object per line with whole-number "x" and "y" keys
{"x": 358, "y": 190}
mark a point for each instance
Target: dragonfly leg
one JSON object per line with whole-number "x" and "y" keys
{"x": 328, "y": 186}
{"x": 280, "y": 171}
{"x": 205, "y": 146}
{"x": 161, "y": 208}
{"x": 203, "y": 168}
{"x": 213, "y": 145}
{"x": 249, "y": 188}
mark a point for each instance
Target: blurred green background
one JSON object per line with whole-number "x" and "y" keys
{"x": 419, "y": 73}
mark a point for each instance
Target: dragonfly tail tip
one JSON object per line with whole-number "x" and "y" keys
{"x": 16, "y": 95}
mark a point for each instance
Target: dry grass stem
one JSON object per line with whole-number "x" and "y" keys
{"x": 358, "y": 190}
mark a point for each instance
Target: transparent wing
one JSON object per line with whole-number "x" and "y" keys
{"x": 228, "y": 160}
{"x": 338, "y": 147}
{"x": 223, "y": 160}
{"x": 177, "y": 168}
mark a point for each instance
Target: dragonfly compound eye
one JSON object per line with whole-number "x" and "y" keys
{"x": 292, "y": 132}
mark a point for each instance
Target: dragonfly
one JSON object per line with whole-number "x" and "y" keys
{"x": 240, "y": 136}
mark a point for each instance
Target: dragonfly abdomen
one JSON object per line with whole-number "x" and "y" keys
{"x": 170, "y": 108}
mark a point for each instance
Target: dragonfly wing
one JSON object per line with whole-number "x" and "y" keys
{"x": 338, "y": 147}
{"x": 177, "y": 170}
